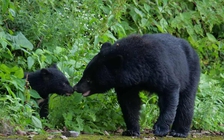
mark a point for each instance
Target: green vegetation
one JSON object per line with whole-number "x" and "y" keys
{"x": 104, "y": 137}
{"x": 37, "y": 33}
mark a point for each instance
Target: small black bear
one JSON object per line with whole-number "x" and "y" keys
{"x": 159, "y": 63}
{"x": 47, "y": 81}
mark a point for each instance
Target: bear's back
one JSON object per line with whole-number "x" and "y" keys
{"x": 156, "y": 53}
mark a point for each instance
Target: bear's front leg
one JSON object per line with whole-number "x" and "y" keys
{"x": 130, "y": 104}
{"x": 168, "y": 102}
{"x": 44, "y": 108}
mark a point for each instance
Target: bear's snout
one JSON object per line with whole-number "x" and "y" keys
{"x": 75, "y": 88}
{"x": 79, "y": 88}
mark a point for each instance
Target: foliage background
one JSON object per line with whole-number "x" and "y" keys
{"x": 36, "y": 33}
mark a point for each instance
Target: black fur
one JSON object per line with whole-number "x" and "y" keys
{"x": 47, "y": 81}
{"x": 159, "y": 63}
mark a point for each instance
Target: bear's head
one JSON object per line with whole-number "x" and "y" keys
{"x": 101, "y": 72}
{"x": 49, "y": 80}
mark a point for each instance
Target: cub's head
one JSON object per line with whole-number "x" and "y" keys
{"x": 56, "y": 81}
{"x": 50, "y": 80}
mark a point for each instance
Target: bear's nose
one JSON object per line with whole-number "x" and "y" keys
{"x": 75, "y": 88}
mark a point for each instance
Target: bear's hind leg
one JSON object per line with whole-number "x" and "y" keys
{"x": 168, "y": 101}
{"x": 184, "y": 115}
{"x": 130, "y": 104}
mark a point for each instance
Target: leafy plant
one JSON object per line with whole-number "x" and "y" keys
{"x": 15, "y": 116}
{"x": 36, "y": 34}
{"x": 17, "y": 105}
{"x": 87, "y": 114}
{"x": 209, "y": 107}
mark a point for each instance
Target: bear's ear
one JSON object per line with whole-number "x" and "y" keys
{"x": 105, "y": 46}
{"x": 54, "y": 66}
{"x": 45, "y": 73}
{"x": 114, "y": 62}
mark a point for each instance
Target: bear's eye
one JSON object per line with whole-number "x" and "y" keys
{"x": 88, "y": 81}
{"x": 64, "y": 84}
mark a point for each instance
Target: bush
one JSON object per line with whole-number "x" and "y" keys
{"x": 209, "y": 106}
{"x": 35, "y": 34}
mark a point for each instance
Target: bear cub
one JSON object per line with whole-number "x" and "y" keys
{"x": 47, "y": 81}
{"x": 159, "y": 63}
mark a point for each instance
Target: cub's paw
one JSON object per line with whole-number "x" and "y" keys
{"x": 178, "y": 134}
{"x": 130, "y": 133}
{"x": 160, "y": 130}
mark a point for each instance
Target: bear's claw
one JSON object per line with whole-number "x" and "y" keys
{"x": 130, "y": 133}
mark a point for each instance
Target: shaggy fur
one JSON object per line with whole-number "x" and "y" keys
{"x": 159, "y": 63}
{"x": 47, "y": 81}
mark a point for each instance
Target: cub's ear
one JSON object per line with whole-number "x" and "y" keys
{"x": 54, "y": 66}
{"x": 114, "y": 62}
{"x": 105, "y": 46}
{"x": 45, "y": 73}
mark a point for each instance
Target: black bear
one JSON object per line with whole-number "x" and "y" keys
{"x": 47, "y": 81}
{"x": 158, "y": 63}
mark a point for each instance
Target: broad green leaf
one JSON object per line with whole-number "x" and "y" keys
{"x": 21, "y": 96}
{"x": 198, "y": 29}
{"x": 30, "y": 62}
{"x": 96, "y": 40}
{"x": 19, "y": 73}
{"x": 23, "y": 41}
{"x": 160, "y": 28}
{"x": 78, "y": 65}
{"x": 144, "y": 22}
{"x": 164, "y": 2}
{"x": 58, "y": 50}
{"x": 79, "y": 121}
{"x": 37, "y": 123}
{"x": 74, "y": 49}
{"x": 34, "y": 94}
{"x": 5, "y": 4}
{"x": 77, "y": 98}
{"x": 163, "y": 24}
{"x": 140, "y": 13}
{"x": 110, "y": 19}
{"x": 20, "y": 41}
{"x": 134, "y": 15}
{"x": 7, "y": 54}
{"x": 2, "y": 35}
{"x": 136, "y": 3}
{"x": 4, "y": 68}
{"x": 211, "y": 37}
{"x": 9, "y": 90}
{"x": 146, "y": 7}
{"x": 121, "y": 30}
{"x": 3, "y": 43}
{"x": 160, "y": 9}
{"x": 13, "y": 69}
{"x": 12, "y": 12}
{"x": 109, "y": 34}
{"x": 39, "y": 51}
{"x": 92, "y": 116}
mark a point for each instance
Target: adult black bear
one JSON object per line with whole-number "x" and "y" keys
{"x": 159, "y": 63}
{"x": 47, "y": 81}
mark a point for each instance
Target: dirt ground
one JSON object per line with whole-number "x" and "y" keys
{"x": 147, "y": 135}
